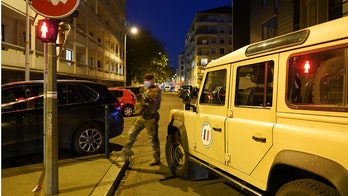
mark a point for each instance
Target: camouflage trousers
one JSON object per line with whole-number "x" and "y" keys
{"x": 151, "y": 126}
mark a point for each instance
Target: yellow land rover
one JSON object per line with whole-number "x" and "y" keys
{"x": 271, "y": 117}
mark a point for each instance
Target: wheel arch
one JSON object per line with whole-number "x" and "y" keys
{"x": 305, "y": 165}
{"x": 177, "y": 125}
{"x": 195, "y": 171}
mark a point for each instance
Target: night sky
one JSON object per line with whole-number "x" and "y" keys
{"x": 168, "y": 20}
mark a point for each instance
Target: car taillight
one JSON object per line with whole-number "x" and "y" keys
{"x": 116, "y": 105}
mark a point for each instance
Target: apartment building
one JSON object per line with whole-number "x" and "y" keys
{"x": 93, "y": 48}
{"x": 270, "y": 18}
{"x": 209, "y": 37}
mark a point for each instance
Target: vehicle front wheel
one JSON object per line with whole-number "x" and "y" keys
{"x": 176, "y": 156}
{"x": 89, "y": 139}
{"x": 127, "y": 111}
{"x": 306, "y": 187}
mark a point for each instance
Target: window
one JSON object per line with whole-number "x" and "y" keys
{"x": 255, "y": 85}
{"x": 117, "y": 93}
{"x": 313, "y": 12}
{"x": 222, "y": 51}
{"x": 214, "y": 89}
{"x": 269, "y": 28}
{"x": 90, "y": 62}
{"x": 22, "y": 97}
{"x": 68, "y": 56}
{"x": 222, "y": 30}
{"x": 2, "y": 33}
{"x": 75, "y": 93}
{"x": 319, "y": 80}
{"x": 222, "y": 40}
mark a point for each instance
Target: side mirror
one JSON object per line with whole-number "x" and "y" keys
{"x": 187, "y": 101}
{"x": 186, "y": 97}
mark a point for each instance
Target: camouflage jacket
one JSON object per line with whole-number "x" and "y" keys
{"x": 149, "y": 101}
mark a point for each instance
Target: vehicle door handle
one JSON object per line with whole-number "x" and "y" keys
{"x": 217, "y": 129}
{"x": 259, "y": 139}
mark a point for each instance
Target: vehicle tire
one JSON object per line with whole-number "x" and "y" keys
{"x": 127, "y": 110}
{"x": 177, "y": 156}
{"x": 88, "y": 139}
{"x": 306, "y": 187}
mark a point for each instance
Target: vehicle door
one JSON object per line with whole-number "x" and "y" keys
{"x": 211, "y": 116}
{"x": 21, "y": 114}
{"x": 77, "y": 106}
{"x": 249, "y": 130}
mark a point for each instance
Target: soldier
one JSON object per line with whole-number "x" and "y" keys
{"x": 147, "y": 107}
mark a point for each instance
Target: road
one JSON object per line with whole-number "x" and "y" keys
{"x": 143, "y": 180}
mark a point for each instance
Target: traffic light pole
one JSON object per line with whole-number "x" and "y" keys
{"x": 50, "y": 120}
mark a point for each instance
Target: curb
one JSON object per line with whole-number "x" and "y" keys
{"x": 118, "y": 179}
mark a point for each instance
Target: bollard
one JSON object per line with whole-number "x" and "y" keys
{"x": 107, "y": 131}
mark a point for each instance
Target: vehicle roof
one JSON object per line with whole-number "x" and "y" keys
{"x": 42, "y": 81}
{"x": 328, "y": 31}
{"x": 120, "y": 89}
{"x": 117, "y": 88}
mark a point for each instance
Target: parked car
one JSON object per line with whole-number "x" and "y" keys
{"x": 126, "y": 99}
{"x": 167, "y": 88}
{"x": 135, "y": 89}
{"x": 185, "y": 89}
{"x": 81, "y": 121}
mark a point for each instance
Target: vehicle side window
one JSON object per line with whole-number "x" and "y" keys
{"x": 255, "y": 85}
{"x": 214, "y": 89}
{"x": 318, "y": 80}
{"x": 87, "y": 94}
{"x": 117, "y": 93}
{"x": 22, "y": 97}
{"x": 74, "y": 93}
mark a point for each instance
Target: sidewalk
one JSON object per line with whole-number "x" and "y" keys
{"x": 89, "y": 175}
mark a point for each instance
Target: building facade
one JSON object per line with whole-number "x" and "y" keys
{"x": 270, "y": 18}
{"x": 93, "y": 48}
{"x": 209, "y": 37}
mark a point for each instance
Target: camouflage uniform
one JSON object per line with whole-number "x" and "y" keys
{"x": 147, "y": 105}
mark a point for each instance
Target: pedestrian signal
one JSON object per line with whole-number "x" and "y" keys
{"x": 47, "y": 30}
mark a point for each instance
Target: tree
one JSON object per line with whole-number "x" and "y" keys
{"x": 146, "y": 54}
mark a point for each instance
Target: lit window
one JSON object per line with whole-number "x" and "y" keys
{"x": 68, "y": 56}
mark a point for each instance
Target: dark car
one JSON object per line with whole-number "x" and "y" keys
{"x": 126, "y": 99}
{"x": 81, "y": 121}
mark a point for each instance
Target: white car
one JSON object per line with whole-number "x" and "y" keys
{"x": 167, "y": 88}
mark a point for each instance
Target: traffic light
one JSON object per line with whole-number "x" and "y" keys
{"x": 47, "y": 30}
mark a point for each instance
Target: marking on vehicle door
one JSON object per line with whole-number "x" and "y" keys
{"x": 206, "y": 134}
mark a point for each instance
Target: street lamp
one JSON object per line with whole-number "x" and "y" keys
{"x": 133, "y": 30}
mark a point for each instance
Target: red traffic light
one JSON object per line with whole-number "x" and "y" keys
{"x": 47, "y": 30}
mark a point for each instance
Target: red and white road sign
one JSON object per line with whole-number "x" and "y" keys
{"x": 54, "y": 8}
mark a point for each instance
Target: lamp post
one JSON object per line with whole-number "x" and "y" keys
{"x": 27, "y": 45}
{"x": 133, "y": 30}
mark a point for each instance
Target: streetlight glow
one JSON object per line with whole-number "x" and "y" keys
{"x": 134, "y": 30}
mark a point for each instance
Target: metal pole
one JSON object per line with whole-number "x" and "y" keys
{"x": 125, "y": 59}
{"x": 51, "y": 124}
{"x": 27, "y": 65}
{"x": 107, "y": 131}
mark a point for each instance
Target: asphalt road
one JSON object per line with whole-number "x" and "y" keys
{"x": 143, "y": 180}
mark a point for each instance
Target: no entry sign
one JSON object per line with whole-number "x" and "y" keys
{"x": 54, "y": 8}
